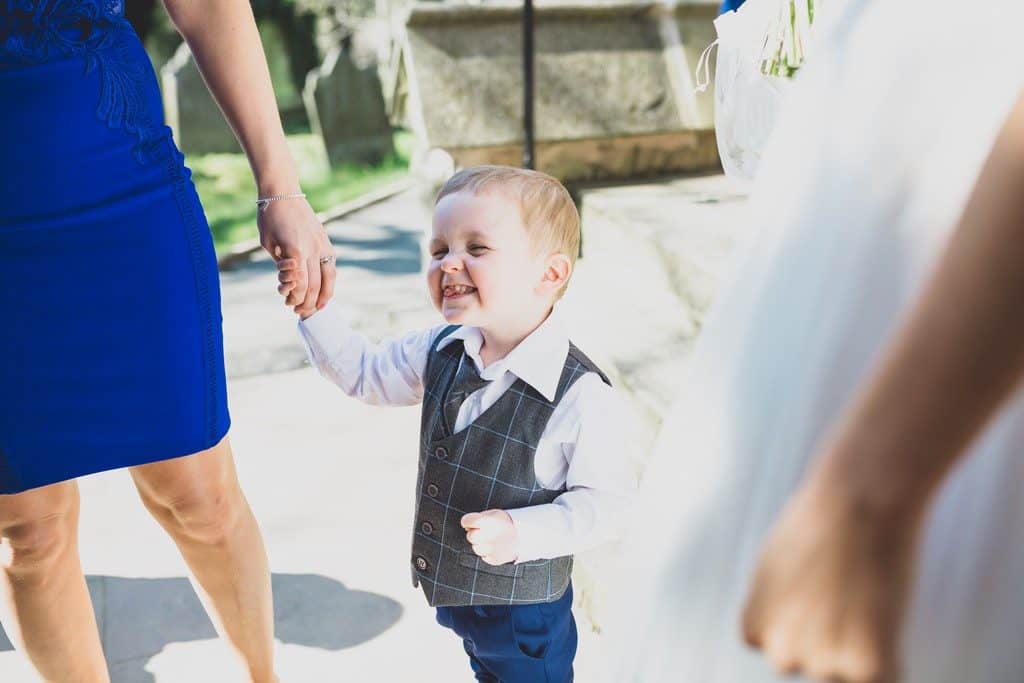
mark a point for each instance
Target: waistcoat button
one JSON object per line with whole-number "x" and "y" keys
{"x": 441, "y": 452}
{"x": 427, "y": 528}
{"x": 433, "y": 491}
{"x": 421, "y": 564}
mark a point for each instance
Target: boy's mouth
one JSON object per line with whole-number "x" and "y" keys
{"x": 452, "y": 291}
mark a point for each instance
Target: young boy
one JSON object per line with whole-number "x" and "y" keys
{"x": 523, "y": 443}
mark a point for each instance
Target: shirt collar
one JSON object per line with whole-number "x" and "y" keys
{"x": 538, "y": 360}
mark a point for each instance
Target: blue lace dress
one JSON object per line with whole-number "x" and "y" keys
{"x": 110, "y": 331}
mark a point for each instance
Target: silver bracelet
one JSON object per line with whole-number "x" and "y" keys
{"x": 263, "y": 202}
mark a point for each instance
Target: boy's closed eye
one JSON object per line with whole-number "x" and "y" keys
{"x": 437, "y": 248}
{"x": 474, "y": 249}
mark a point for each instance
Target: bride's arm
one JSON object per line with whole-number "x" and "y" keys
{"x": 957, "y": 357}
{"x": 829, "y": 593}
{"x": 226, "y": 45}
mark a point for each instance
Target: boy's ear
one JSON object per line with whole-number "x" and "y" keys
{"x": 557, "y": 272}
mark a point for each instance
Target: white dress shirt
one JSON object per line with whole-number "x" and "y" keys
{"x": 585, "y": 445}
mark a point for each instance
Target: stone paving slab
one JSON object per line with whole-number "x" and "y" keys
{"x": 653, "y": 254}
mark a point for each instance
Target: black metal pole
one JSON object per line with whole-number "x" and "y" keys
{"x": 528, "y": 158}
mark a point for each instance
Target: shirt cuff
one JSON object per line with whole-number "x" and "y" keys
{"x": 327, "y": 333}
{"x": 537, "y": 532}
{"x": 329, "y": 326}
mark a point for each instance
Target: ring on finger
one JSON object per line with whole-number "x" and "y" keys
{"x": 327, "y": 259}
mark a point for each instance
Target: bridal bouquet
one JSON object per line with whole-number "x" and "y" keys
{"x": 760, "y": 47}
{"x": 784, "y": 43}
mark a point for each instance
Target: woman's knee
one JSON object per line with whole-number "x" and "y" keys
{"x": 38, "y": 528}
{"x": 202, "y": 511}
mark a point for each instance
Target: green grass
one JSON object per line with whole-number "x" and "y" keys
{"x": 228, "y": 192}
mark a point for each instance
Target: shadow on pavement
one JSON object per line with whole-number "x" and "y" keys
{"x": 384, "y": 249}
{"x": 397, "y": 251}
{"x": 386, "y": 266}
{"x": 139, "y": 617}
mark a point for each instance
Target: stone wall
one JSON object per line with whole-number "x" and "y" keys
{"x": 614, "y": 94}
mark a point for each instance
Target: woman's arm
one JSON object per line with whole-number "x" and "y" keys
{"x": 829, "y": 593}
{"x": 226, "y": 45}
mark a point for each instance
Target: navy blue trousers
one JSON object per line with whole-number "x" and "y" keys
{"x": 517, "y": 643}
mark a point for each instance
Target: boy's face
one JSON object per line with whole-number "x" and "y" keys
{"x": 483, "y": 269}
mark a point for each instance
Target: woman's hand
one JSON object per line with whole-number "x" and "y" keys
{"x": 295, "y": 239}
{"x": 829, "y": 592}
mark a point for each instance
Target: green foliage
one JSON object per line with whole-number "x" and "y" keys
{"x": 227, "y": 189}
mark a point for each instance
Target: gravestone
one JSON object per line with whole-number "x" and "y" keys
{"x": 614, "y": 93}
{"x": 345, "y": 105}
{"x": 189, "y": 109}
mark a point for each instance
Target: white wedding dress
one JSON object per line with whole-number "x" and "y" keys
{"x": 879, "y": 145}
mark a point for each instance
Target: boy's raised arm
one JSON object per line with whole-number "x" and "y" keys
{"x": 387, "y": 373}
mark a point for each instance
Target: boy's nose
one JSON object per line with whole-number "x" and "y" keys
{"x": 451, "y": 263}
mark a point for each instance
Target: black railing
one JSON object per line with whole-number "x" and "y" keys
{"x": 528, "y": 139}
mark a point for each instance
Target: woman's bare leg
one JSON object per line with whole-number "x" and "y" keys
{"x": 45, "y": 605}
{"x": 198, "y": 501}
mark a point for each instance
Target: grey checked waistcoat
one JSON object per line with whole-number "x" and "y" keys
{"x": 489, "y": 464}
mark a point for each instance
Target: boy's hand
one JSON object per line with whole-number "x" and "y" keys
{"x": 291, "y": 276}
{"x": 493, "y": 536}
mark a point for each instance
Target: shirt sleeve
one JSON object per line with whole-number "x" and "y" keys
{"x": 389, "y": 373}
{"x": 600, "y": 479}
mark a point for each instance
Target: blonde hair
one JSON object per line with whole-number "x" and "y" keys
{"x": 549, "y": 213}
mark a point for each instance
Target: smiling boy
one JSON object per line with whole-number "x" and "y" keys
{"x": 523, "y": 453}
